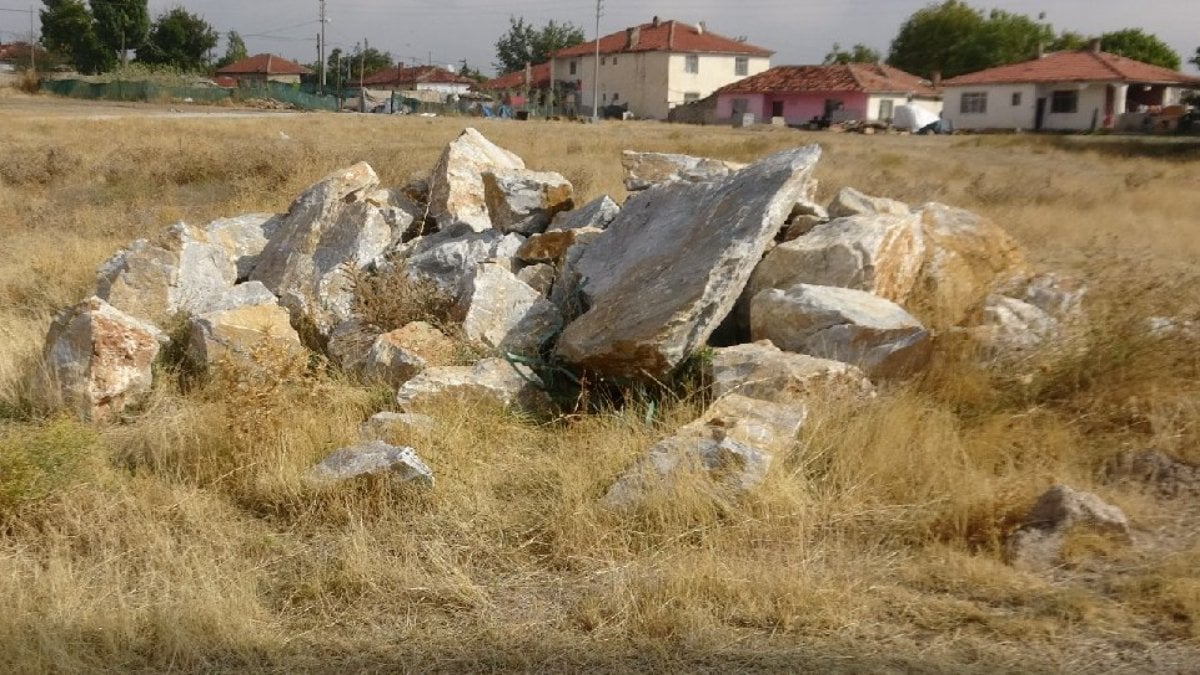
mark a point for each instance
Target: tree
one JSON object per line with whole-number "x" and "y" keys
{"x": 235, "y": 49}
{"x": 180, "y": 39}
{"x": 953, "y": 38}
{"x": 69, "y": 28}
{"x": 361, "y": 62}
{"x": 1068, "y": 41}
{"x": 1136, "y": 44}
{"x": 859, "y": 53}
{"x": 121, "y": 25}
{"x": 1003, "y": 38}
{"x": 525, "y": 44}
{"x": 472, "y": 73}
{"x": 1195, "y": 60}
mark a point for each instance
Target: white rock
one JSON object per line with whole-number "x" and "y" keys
{"x": 373, "y": 458}
{"x": 243, "y": 238}
{"x": 242, "y": 295}
{"x": 97, "y": 359}
{"x": 490, "y": 381}
{"x": 666, "y": 272}
{"x": 447, "y": 257}
{"x": 502, "y": 312}
{"x": 1038, "y": 543}
{"x": 456, "y": 192}
{"x": 524, "y": 201}
{"x": 645, "y": 170}
{"x": 1011, "y": 327}
{"x": 844, "y": 325}
{"x": 763, "y": 371}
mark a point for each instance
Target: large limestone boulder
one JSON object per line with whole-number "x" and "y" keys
{"x": 524, "y": 201}
{"x": 256, "y": 337}
{"x": 243, "y": 238}
{"x": 1038, "y": 542}
{"x": 844, "y": 325}
{"x": 645, "y": 170}
{"x": 671, "y": 266}
{"x": 457, "y": 193}
{"x": 375, "y": 458}
{"x": 97, "y": 359}
{"x": 850, "y": 202}
{"x": 178, "y": 273}
{"x": 398, "y": 356}
{"x": 732, "y": 444}
{"x": 337, "y": 226}
{"x": 597, "y": 213}
{"x": 490, "y": 381}
{"x": 447, "y": 257}
{"x": 763, "y": 371}
{"x": 503, "y": 313}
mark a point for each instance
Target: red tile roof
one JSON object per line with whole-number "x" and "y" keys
{"x": 862, "y": 77}
{"x": 402, "y": 77}
{"x": 539, "y": 78}
{"x": 664, "y": 36}
{"x": 264, "y": 64}
{"x": 1076, "y": 66}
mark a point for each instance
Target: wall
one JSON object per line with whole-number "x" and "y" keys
{"x": 1001, "y": 113}
{"x": 932, "y": 105}
{"x": 443, "y": 88}
{"x": 797, "y": 108}
{"x": 716, "y": 71}
{"x": 1092, "y": 103}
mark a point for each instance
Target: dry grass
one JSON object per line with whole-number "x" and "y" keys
{"x": 185, "y": 539}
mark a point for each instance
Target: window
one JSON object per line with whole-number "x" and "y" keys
{"x": 740, "y": 106}
{"x": 973, "y": 102}
{"x": 741, "y": 66}
{"x": 616, "y": 97}
{"x": 885, "y": 109}
{"x": 573, "y": 64}
{"x": 614, "y": 60}
{"x": 691, "y": 97}
{"x": 1016, "y": 98}
{"x": 691, "y": 63}
{"x": 1064, "y": 102}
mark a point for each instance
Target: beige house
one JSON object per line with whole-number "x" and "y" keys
{"x": 651, "y": 68}
{"x": 262, "y": 68}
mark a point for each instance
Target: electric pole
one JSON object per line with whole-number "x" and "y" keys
{"x": 596, "y": 66}
{"x": 32, "y": 44}
{"x": 321, "y": 45}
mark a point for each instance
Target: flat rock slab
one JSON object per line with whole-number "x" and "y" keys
{"x": 456, "y": 192}
{"x": 97, "y": 359}
{"x": 842, "y": 324}
{"x": 383, "y": 426}
{"x": 670, "y": 267}
{"x": 761, "y": 370}
{"x": 644, "y": 170}
{"x": 490, "y": 381}
{"x": 503, "y": 313}
{"x": 373, "y": 458}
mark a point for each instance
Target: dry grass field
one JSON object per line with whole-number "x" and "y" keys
{"x": 184, "y": 540}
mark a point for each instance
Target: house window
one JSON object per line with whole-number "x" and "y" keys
{"x": 973, "y": 102}
{"x": 740, "y": 106}
{"x": 1016, "y": 98}
{"x": 573, "y": 64}
{"x": 741, "y": 66}
{"x": 1064, "y": 102}
{"x": 616, "y": 96}
{"x": 614, "y": 60}
{"x": 604, "y": 60}
{"x": 885, "y": 109}
{"x": 691, "y": 96}
{"x": 691, "y": 63}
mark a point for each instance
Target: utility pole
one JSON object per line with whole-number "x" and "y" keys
{"x": 596, "y": 66}
{"x": 32, "y": 44}
{"x": 321, "y": 45}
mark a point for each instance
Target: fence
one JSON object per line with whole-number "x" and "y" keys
{"x": 152, "y": 91}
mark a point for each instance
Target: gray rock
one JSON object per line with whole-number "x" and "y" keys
{"x": 844, "y": 325}
{"x": 688, "y": 247}
{"x": 385, "y": 426}
{"x": 373, "y": 458}
{"x": 400, "y": 355}
{"x": 1038, "y": 542}
{"x": 179, "y": 273}
{"x": 447, "y": 257}
{"x": 1011, "y": 327}
{"x": 524, "y": 201}
{"x": 850, "y": 202}
{"x": 540, "y": 278}
{"x": 243, "y": 238}
{"x": 242, "y": 295}
{"x": 597, "y": 213}
{"x": 503, "y": 313}
{"x": 550, "y": 247}
{"x": 644, "y": 170}
{"x": 1169, "y": 477}
{"x": 349, "y": 344}
{"x": 763, "y": 371}
{"x": 490, "y": 381}
{"x": 97, "y": 360}
{"x": 456, "y": 193}
{"x": 258, "y": 337}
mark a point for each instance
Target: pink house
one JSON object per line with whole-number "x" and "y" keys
{"x": 856, "y": 91}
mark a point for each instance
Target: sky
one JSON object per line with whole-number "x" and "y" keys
{"x": 799, "y": 31}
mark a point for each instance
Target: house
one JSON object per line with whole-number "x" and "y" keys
{"x": 262, "y": 68}
{"x": 653, "y": 67}
{"x": 419, "y": 78}
{"x": 867, "y": 92}
{"x": 1076, "y": 90}
{"x": 514, "y": 86}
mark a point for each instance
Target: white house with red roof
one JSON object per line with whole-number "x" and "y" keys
{"x": 263, "y": 68}
{"x": 653, "y": 67}
{"x": 866, "y": 92}
{"x": 419, "y": 78}
{"x": 1077, "y": 90}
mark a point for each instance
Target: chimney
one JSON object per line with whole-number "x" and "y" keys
{"x": 671, "y": 37}
{"x": 700, "y": 28}
{"x": 1094, "y": 45}
{"x": 654, "y": 22}
{"x": 935, "y": 79}
{"x": 1041, "y": 49}
{"x": 632, "y": 37}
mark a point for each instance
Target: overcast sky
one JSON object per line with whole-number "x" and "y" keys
{"x": 799, "y": 31}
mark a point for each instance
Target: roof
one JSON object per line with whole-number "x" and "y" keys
{"x": 415, "y": 75}
{"x": 1082, "y": 65}
{"x": 870, "y": 78}
{"x": 539, "y": 78}
{"x": 264, "y": 64}
{"x": 664, "y": 36}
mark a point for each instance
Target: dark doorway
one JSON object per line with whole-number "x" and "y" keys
{"x": 776, "y": 108}
{"x": 1039, "y": 119}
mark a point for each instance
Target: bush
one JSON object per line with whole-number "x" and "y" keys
{"x": 37, "y": 461}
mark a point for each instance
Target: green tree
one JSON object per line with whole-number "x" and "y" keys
{"x": 525, "y": 44}
{"x": 179, "y": 39}
{"x": 954, "y": 38}
{"x": 363, "y": 61}
{"x": 235, "y": 49}
{"x": 1136, "y": 44}
{"x": 859, "y": 53}
{"x": 1003, "y": 38}
{"x": 1067, "y": 41}
{"x": 69, "y": 29}
{"x": 121, "y": 25}
{"x": 472, "y": 73}
{"x": 1195, "y": 60}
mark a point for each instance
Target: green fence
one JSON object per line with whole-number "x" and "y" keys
{"x": 152, "y": 91}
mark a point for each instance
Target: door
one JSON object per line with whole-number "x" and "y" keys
{"x": 776, "y": 108}
{"x": 1040, "y": 117}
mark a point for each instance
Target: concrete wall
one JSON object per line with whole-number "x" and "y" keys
{"x": 1093, "y": 105}
{"x": 800, "y": 108}
{"x": 443, "y": 87}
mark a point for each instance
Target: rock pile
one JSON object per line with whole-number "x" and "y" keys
{"x": 810, "y": 301}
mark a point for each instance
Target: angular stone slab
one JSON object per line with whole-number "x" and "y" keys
{"x": 373, "y": 458}
{"x": 492, "y": 381}
{"x": 524, "y": 201}
{"x": 400, "y": 355}
{"x": 257, "y": 337}
{"x": 850, "y": 202}
{"x": 644, "y": 170}
{"x": 763, "y": 371}
{"x": 503, "y": 313}
{"x": 670, "y": 267}
{"x": 456, "y": 193}
{"x": 243, "y": 238}
{"x": 447, "y": 257}
{"x": 597, "y": 213}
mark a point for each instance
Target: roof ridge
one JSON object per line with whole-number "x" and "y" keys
{"x": 1099, "y": 56}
